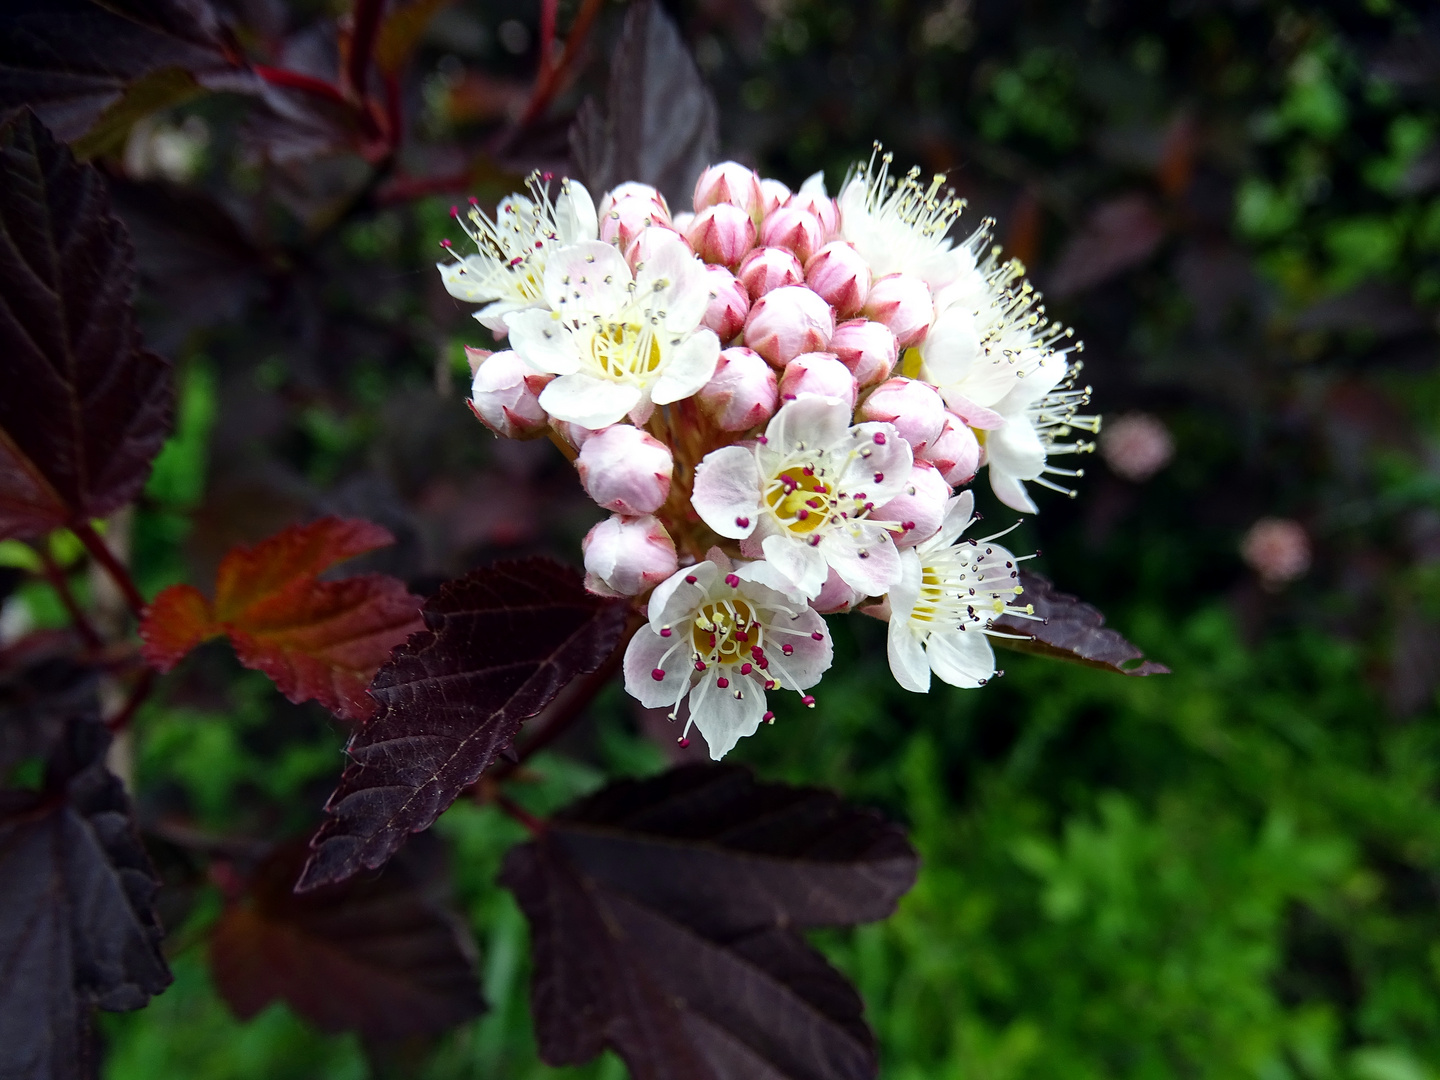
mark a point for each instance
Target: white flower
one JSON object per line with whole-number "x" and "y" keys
{"x": 1038, "y": 412}
{"x": 802, "y": 494}
{"x": 902, "y": 226}
{"x": 719, "y": 636}
{"x": 508, "y": 272}
{"x": 941, "y": 610}
{"x": 620, "y": 343}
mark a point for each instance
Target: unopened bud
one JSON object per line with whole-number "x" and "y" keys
{"x": 475, "y": 357}
{"x": 729, "y": 303}
{"x": 625, "y": 556}
{"x": 795, "y": 230}
{"x": 573, "y": 434}
{"x": 787, "y": 322}
{"x": 773, "y": 195}
{"x": 681, "y": 222}
{"x": 625, "y": 470}
{"x": 732, "y": 183}
{"x": 841, "y": 275}
{"x": 767, "y": 269}
{"x": 722, "y": 234}
{"x": 956, "y": 453}
{"x": 628, "y": 209}
{"x": 818, "y": 373}
{"x": 812, "y": 198}
{"x": 915, "y": 408}
{"x": 648, "y": 241}
{"x": 835, "y": 596}
{"x": 505, "y": 396}
{"x": 742, "y": 393}
{"x": 919, "y": 510}
{"x": 867, "y": 348}
{"x": 902, "y": 303}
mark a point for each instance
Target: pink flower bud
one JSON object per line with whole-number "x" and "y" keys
{"x": 633, "y": 189}
{"x": 742, "y": 393}
{"x": 956, "y": 453}
{"x": 681, "y": 222}
{"x": 915, "y": 408}
{"x": 573, "y": 434}
{"x": 505, "y": 396}
{"x": 648, "y": 241}
{"x": 867, "y": 348}
{"x": 475, "y": 357}
{"x": 835, "y": 596}
{"x": 773, "y": 194}
{"x": 795, "y": 230}
{"x": 919, "y": 509}
{"x": 902, "y": 303}
{"x": 840, "y": 274}
{"x": 722, "y": 234}
{"x": 729, "y": 303}
{"x": 788, "y": 321}
{"x": 732, "y": 183}
{"x": 628, "y": 209}
{"x": 822, "y": 206}
{"x": 818, "y": 373}
{"x": 625, "y": 556}
{"x": 768, "y": 268}
{"x": 625, "y": 470}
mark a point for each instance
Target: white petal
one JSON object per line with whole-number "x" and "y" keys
{"x": 907, "y": 657}
{"x": 1016, "y": 449}
{"x": 684, "y": 291}
{"x": 690, "y": 366}
{"x": 873, "y": 575}
{"x": 798, "y": 561}
{"x": 770, "y": 586}
{"x": 961, "y": 657}
{"x": 723, "y": 718}
{"x": 1011, "y": 492}
{"x": 905, "y": 593}
{"x": 815, "y": 421}
{"x": 590, "y": 402}
{"x": 586, "y": 277}
{"x": 727, "y": 491}
{"x": 814, "y": 184}
{"x": 543, "y": 342}
{"x": 575, "y": 217}
{"x": 643, "y": 656}
{"x": 809, "y": 659}
{"x": 958, "y": 516}
{"x": 674, "y": 599}
{"x": 890, "y": 460}
{"x": 466, "y": 280}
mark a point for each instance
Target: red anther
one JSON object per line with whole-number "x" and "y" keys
{"x": 907, "y": 525}
{"x": 699, "y": 665}
{"x": 723, "y": 683}
{"x": 808, "y": 701}
{"x": 816, "y": 503}
{"x": 879, "y": 478}
{"x": 547, "y": 176}
{"x": 808, "y": 470}
{"x": 769, "y": 717}
{"x": 665, "y": 631}
{"x": 879, "y": 438}
{"x": 745, "y": 669}
{"x": 814, "y": 541}
{"x": 761, "y": 439}
{"x": 683, "y": 743}
{"x": 658, "y": 674}
{"x": 455, "y": 211}
{"x": 743, "y": 522}
{"x": 740, "y": 635}
{"x": 733, "y": 580}
{"x": 817, "y": 636}
{"x": 802, "y": 514}
{"x": 787, "y": 648}
{"x": 689, "y": 579}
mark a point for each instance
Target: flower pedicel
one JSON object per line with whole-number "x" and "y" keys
{"x": 776, "y": 396}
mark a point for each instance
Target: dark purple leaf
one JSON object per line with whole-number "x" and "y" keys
{"x": 500, "y": 644}
{"x": 660, "y": 122}
{"x": 380, "y": 956}
{"x": 77, "y": 922}
{"x": 1072, "y": 630}
{"x": 85, "y": 408}
{"x": 665, "y": 917}
{"x": 1118, "y": 235}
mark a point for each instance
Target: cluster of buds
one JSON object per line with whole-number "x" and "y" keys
{"x": 780, "y": 397}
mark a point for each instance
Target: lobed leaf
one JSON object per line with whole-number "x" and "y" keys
{"x": 659, "y": 126}
{"x": 500, "y": 645}
{"x": 321, "y": 640}
{"x": 380, "y": 956}
{"x": 665, "y": 915}
{"x": 1072, "y": 630}
{"x": 85, "y": 408}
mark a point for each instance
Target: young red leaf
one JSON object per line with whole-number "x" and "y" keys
{"x": 85, "y": 408}
{"x": 501, "y": 643}
{"x": 380, "y": 956}
{"x": 315, "y": 639}
{"x": 660, "y": 122}
{"x": 665, "y": 914}
{"x": 1072, "y": 630}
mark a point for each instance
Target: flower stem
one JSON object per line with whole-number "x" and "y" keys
{"x": 58, "y": 581}
{"x": 112, "y": 566}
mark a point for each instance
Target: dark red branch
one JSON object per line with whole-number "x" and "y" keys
{"x": 533, "y": 824}
{"x": 61, "y": 584}
{"x": 139, "y": 694}
{"x": 362, "y": 45}
{"x": 293, "y": 80}
{"x": 548, "y": 9}
{"x": 112, "y": 566}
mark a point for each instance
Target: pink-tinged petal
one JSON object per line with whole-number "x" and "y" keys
{"x": 809, "y": 657}
{"x": 727, "y": 491}
{"x": 798, "y": 561}
{"x": 689, "y": 368}
{"x": 723, "y": 717}
{"x": 873, "y": 573}
{"x": 675, "y": 599}
{"x": 586, "y": 276}
{"x": 885, "y": 472}
{"x": 543, "y": 342}
{"x": 835, "y": 596}
{"x": 647, "y": 654}
{"x": 815, "y": 422}
{"x": 907, "y": 657}
{"x": 590, "y": 402}
{"x": 975, "y": 416}
{"x": 961, "y": 658}
{"x": 920, "y": 508}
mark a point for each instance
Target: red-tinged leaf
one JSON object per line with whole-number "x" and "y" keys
{"x": 660, "y": 121}
{"x": 85, "y": 408}
{"x": 77, "y": 923}
{"x": 665, "y": 917}
{"x": 380, "y": 956}
{"x": 500, "y": 645}
{"x": 321, "y": 640}
{"x": 1072, "y": 630}
{"x": 1118, "y": 235}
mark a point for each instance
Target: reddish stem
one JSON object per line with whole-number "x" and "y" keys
{"x": 58, "y": 581}
{"x": 533, "y": 824}
{"x": 113, "y": 567}
{"x": 551, "y": 77}
{"x": 293, "y": 80}
{"x": 404, "y": 188}
{"x": 138, "y": 695}
{"x": 548, "y": 9}
{"x": 362, "y": 45}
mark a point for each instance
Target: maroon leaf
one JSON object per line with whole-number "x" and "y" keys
{"x": 1119, "y": 234}
{"x": 1072, "y": 630}
{"x": 77, "y": 921}
{"x": 660, "y": 122}
{"x": 377, "y": 956}
{"x": 665, "y": 915}
{"x": 501, "y": 643}
{"x": 85, "y": 408}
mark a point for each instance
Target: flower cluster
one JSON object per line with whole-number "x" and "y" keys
{"x": 777, "y": 395}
